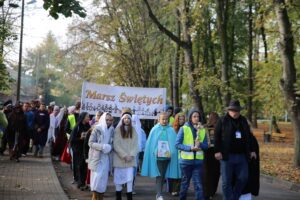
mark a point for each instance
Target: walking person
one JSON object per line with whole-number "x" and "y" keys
{"x": 253, "y": 183}
{"x": 161, "y": 157}
{"x": 15, "y": 132}
{"x": 174, "y": 184}
{"x": 41, "y": 121}
{"x": 124, "y": 158}
{"x": 77, "y": 144}
{"x": 191, "y": 142}
{"x": 73, "y": 115}
{"x": 140, "y": 133}
{"x": 7, "y": 109}
{"x": 211, "y": 171}
{"x": 29, "y": 128}
{"x": 93, "y": 123}
{"x": 170, "y": 110}
{"x": 3, "y": 124}
{"x": 55, "y": 119}
{"x": 234, "y": 147}
{"x": 100, "y": 143}
{"x": 61, "y": 136}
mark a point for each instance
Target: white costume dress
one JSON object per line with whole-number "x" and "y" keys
{"x": 100, "y": 147}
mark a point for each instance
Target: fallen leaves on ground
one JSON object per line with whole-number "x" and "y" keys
{"x": 277, "y": 158}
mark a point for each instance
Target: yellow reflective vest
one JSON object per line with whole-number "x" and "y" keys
{"x": 72, "y": 121}
{"x": 188, "y": 140}
{"x": 171, "y": 121}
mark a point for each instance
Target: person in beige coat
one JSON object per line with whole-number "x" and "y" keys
{"x": 125, "y": 147}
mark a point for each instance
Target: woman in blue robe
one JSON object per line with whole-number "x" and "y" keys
{"x": 158, "y": 166}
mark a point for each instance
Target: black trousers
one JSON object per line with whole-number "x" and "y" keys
{"x": 3, "y": 143}
{"x": 80, "y": 168}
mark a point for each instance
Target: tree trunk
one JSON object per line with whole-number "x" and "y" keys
{"x": 289, "y": 72}
{"x": 189, "y": 60}
{"x": 264, "y": 37}
{"x": 171, "y": 86}
{"x": 222, "y": 13}
{"x": 187, "y": 46}
{"x": 250, "y": 63}
{"x": 176, "y": 65}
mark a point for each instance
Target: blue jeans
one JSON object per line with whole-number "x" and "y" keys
{"x": 194, "y": 172}
{"x": 234, "y": 173}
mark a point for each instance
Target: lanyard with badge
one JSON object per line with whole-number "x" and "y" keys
{"x": 238, "y": 134}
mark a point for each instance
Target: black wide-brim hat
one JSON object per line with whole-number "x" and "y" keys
{"x": 235, "y": 105}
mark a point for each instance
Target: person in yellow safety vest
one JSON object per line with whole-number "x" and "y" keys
{"x": 73, "y": 116}
{"x": 191, "y": 142}
{"x": 73, "y": 112}
{"x": 169, "y": 110}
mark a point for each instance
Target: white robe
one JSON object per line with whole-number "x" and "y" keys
{"x": 99, "y": 177}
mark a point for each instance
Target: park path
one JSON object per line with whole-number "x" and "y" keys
{"x": 35, "y": 178}
{"x": 32, "y": 178}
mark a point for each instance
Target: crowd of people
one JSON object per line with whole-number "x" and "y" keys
{"x": 179, "y": 147}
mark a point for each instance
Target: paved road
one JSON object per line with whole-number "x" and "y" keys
{"x": 145, "y": 189}
{"x": 32, "y": 178}
{"x": 35, "y": 178}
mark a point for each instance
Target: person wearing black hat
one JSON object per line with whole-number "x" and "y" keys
{"x": 234, "y": 147}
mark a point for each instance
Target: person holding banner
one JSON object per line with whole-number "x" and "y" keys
{"x": 191, "y": 142}
{"x": 100, "y": 143}
{"x": 124, "y": 158}
{"x": 161, "y": 156}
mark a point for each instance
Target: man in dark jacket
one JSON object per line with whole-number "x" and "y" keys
{"x": 41, "y": 121}
{"x": 234, "y": 147}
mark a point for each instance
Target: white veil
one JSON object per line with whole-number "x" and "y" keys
{"x": 102, "y": 125}
{"x": 121, "y": 120}
{"x": 136, "y": 122}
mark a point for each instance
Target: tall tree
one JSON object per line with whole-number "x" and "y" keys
{"x": 250, "y": 62}
{"x": 222, "y": 8}
{"x": 289, "y": 75}
{"x": 187, "y": 46}
{"x": 177, "y": 62}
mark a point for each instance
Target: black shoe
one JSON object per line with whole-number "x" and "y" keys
{"x": 129, "y": 195}
{"x": 17, "y": 160}
{"x": 82, "y": 188}
{"x": 119, "y": 195}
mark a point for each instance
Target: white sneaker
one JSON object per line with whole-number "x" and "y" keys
{"x": 160, "y": 198}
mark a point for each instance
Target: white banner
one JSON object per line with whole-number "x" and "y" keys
{"x": 145, "y": 102}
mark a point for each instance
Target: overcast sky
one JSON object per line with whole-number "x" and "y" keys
{"x": 37, "y": 23}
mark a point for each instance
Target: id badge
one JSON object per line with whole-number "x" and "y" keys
{"x": 238, "y": 135}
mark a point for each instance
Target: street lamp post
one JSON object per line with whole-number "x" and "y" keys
{"x": 20, "y": 53}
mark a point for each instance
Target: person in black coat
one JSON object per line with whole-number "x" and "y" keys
{"x": 211, "y": 170}
{"x": 41, "y": 126}
{"x": 234, "y": 147}
{"x": 253, "y": 183}
{"x": 15, "y": 132}
{"x": 78, "y": 135}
